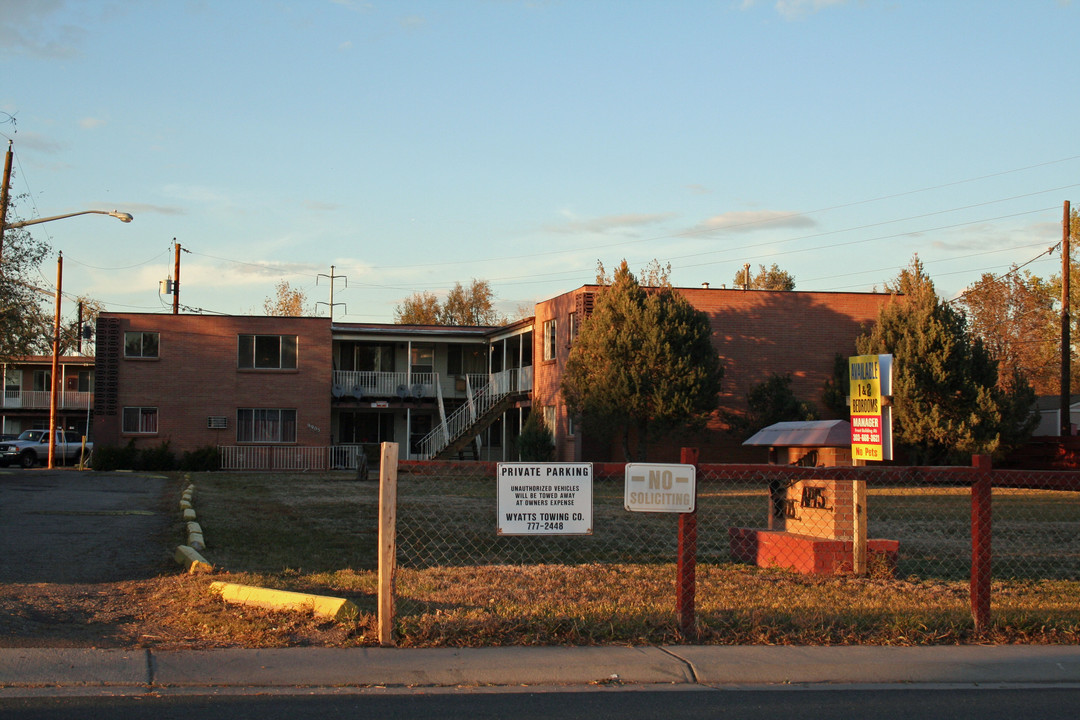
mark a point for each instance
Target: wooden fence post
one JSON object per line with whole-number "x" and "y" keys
{"x": 686, "y": 584}
{"x": 981, "y": 555}
{"x": 387, "y": 541}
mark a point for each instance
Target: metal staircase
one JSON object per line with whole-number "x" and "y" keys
{"x": 482, "y": 407}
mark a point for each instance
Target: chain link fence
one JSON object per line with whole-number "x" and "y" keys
{"x": 778, "y": 559}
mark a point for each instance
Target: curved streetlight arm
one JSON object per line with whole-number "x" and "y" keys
{"x": 121, "y": 216}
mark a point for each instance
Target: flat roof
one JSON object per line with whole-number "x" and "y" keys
{"x": 806, "y": 433}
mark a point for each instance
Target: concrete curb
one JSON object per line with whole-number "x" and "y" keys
{"x": 338, "y": 609}
{"x": 192, "y": 561}
{"x": 679, "y": 665}
{"x": 419, "y": 667}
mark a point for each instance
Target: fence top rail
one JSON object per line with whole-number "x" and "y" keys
{"x": 712, "y": 472}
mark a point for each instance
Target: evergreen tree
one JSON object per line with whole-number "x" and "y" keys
{"x": 535, "y": 443}
{"x": 947, "y": 402}
{"x": 768, "y": 403}
{"x": 642, "y": 363}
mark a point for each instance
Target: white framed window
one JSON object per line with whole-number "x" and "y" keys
{"x": 550, "y": 334}
{"x": 140, "y": 420}
{"x": 141, "y": 344}
{"x": 266, "y": 352}
{"x": 266, "y": 425}
{"x": 549, "y": 418}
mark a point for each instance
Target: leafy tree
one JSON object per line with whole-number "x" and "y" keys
{"x": 288, "y": 302}
{"x": 772, "y": 278}
{"x": 420, "y": 308}
{"x": 25, "y": 326}
{"x": 471, "y": 306}
{"x": 947, "y": 402}
{"x": 642, "y": 363}
{"x": 70, "y": 331}
{"x": 652, "y": 275}
{"x": 769, "y": 402}
{"x": 1014, "y": 316}
{"x": 535, "y": 443}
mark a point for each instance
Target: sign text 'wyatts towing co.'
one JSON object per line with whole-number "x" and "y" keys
{"x": 545, "y": 498}
{"x": 658, "y": 487}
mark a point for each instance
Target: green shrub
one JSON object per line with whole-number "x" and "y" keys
{"x": 156, "y": 459}
{"x": 204, "y": 459}
{"x": 112, "y": 457}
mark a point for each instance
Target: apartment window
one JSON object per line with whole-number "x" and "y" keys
{"x": 140, "y": 420}
{"x": 549, "y": 418}
{"x": 572, "y": 329}
{"x": 266, "y": 425}
{"x": 422, "y": 359}
{"x": 86, "y": 381}
{"x": 42, "y": 380}
{"x": 549, "y": 339}
{"x": 267, "y": 352}
{"x": 141, "y": 344}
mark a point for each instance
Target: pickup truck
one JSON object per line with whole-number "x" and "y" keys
{"x": 32, "y": 447}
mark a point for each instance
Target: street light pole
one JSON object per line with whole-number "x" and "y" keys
{"x": 121, "y": 216}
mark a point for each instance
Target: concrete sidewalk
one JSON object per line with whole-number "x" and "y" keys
{"x": 678, "y": 665}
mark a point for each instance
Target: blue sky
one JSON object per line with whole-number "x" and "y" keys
{"x": 414, "y": 144}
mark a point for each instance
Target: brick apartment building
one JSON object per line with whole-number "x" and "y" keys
{"x": 28, "y": 394}
{"x": 310, "y": 393}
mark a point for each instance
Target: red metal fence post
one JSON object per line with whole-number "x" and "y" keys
{"x": 686, "y": 585}
{"x": 981, "y": 554}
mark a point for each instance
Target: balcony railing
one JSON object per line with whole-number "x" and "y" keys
{"x": 39, "y": 399}
{"x": 485, "y": 391}
{"x": 360, "y": 384}
{"x": 270, "y": 457}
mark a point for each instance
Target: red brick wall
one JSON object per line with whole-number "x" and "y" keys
{"x": 756, "y": 333}
{"x": 196, "y": 376}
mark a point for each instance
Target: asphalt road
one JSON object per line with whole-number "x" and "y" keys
{"x": 568, "y": 704}
{"x": 66, "y": 526}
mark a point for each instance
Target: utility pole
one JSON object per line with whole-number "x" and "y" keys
{"x": 176, "y": 281}
{"x": 54, "y": 381}
{"x": 332, "y": 277}
{"x": 1066, "y": 342}
{"x": 4, "y": 197}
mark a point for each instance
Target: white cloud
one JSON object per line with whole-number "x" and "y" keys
{"x": 30, "y": 27}
{"x": 89, "y": 123}
{"x": 609, "y": 224}
{"x": 752, "y": 220}
{"x": 37, "y": 141}
{"x": 793, "y": 9}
